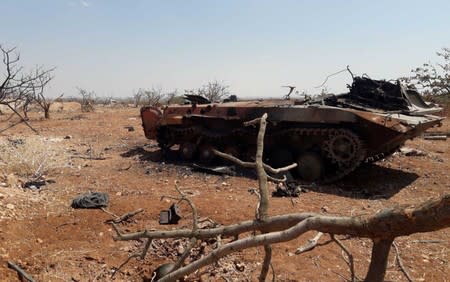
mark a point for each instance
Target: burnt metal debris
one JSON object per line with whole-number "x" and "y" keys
{"x": 170, "y": 216}
{"x": 329, "y": 136}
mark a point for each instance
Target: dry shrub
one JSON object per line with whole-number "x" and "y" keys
{"x": 31, "y": 157}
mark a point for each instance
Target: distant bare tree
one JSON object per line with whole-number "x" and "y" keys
{"x": 137, "y": 96}
{"x": 152, "y": 96}
{"x": 87, "y": 99}
{"x": 42, "y": 100}
{"x": 18, "y": 86}
{"x": 214, "y": 91}
{"x": 171, "y": 96}
{"x": 105, "y": 101}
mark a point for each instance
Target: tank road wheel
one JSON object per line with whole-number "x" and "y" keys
{"x": 187, "y": 151}
{"x": 206, "y": 154}
{"x": 310, "y": 166}
{"x": 343, "y": 147}
{"x": 231, "y": 150}
{"x": 280, "y": 157}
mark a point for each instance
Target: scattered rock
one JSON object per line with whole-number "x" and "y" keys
{"x": 68, "y": 137}
{"x": 10, "y": 206}
{"x": 239, "y": 266}
{"x": 119, "y": 194}
{"x": 410, "y": 152}
{"x": 180, "y": 250}
{"x": 39, "y": 240}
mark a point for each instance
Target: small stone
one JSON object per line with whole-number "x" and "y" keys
{"x": 68, "y": 137}
{"x": 39, "y": 240}
{"x": 239, "y": 266}
{"x": 10, "y": 206}
{"x": 412, "y": 152}
{"x": 100, "y": 234}
{"x": 180, "y": 249}
{"x": 119, "y": 194}
{"x": 2, "y": 196}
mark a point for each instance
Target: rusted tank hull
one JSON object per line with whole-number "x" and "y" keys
{"x": 327, "y": 140}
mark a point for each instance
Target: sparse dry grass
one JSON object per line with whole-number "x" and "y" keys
{"x": 31, "y": 157}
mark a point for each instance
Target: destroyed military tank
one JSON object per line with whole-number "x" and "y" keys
{"x": 328, "y": 137}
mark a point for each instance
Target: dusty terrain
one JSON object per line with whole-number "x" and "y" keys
{"x": 53, "y": 242}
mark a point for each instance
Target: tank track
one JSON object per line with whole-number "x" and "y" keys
{"x": 380, "y": 156}
{"x": 344, "y": 166}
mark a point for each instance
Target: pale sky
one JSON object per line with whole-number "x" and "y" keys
{"x": 114, "y": 47}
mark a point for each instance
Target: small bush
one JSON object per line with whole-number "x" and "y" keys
{"x": 31, "y": 157}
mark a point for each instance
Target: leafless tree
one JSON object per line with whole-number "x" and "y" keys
{"x": 214, "y": 91}
{"x": 137, "y": 96}
{"x": 105, "y": 101}
{"x": 87, "y": 99}
{"x": 153, "y": 97}
{"x": 17, "y": 85}
{"x": 171, "y": 97}
{"x": 40, "y": 98}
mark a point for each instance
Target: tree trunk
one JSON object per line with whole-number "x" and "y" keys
{"x": 47, "y": 113}
{"x": 378, "y": 262}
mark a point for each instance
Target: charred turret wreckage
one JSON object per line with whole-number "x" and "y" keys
{"x": 328, "y": 137}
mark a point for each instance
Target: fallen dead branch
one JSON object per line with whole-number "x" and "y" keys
{"x": 435, "y": 137}
{"x": 125, "y": 217}
{"x": 312, "y": 243}
{"x": 20, "y": 272}
{"x": 90, "y": 158}
{"x": 429, "y": 241}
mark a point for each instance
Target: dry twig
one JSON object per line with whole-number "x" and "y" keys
{"x": 20, "y": 272}
{"x": 125, "y": 217}
{"x": 350, "y": 262}
{"x": 400, "y": 263}
{"x": 312, "y": 243}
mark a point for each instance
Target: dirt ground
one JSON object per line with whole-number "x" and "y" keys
{"x": 53, "y": 242}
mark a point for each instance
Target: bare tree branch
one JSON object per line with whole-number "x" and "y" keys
{"x": 18, "y": 88}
